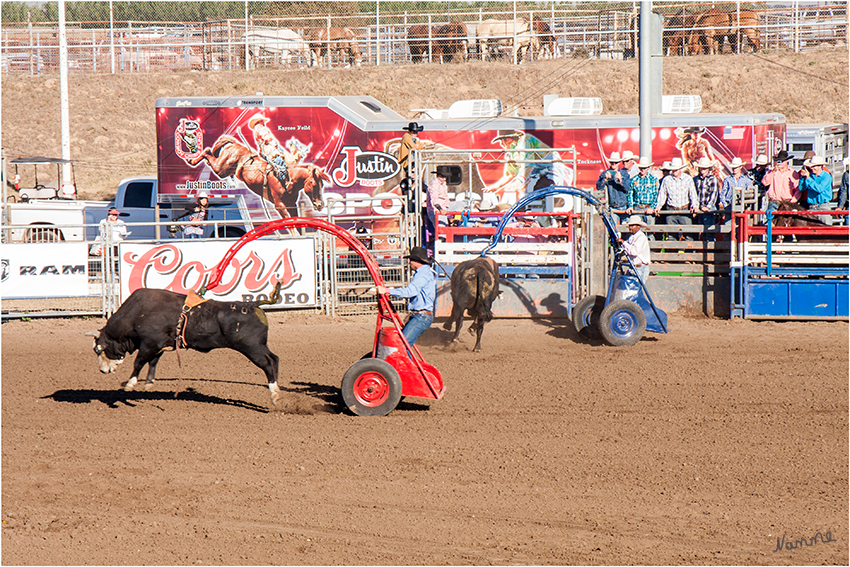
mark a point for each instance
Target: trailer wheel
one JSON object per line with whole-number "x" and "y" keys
{"x": 371, "y": 387}
{"x": 586, "y": 316}
{"x": 622, "y": 323}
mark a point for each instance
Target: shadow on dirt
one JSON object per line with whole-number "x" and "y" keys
{"x": 332, "y": 398}
{"x": 113, "y": 398}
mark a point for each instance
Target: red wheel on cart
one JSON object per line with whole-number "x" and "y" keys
{"x": 371, "y": 387}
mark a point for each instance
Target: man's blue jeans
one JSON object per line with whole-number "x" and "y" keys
{"x": 416, "y": 324}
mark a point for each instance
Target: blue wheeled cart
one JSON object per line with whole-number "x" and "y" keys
{"x": 627, "y": 311}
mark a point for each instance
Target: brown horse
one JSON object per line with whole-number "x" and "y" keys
{"x": 417, "y": 42}
{"x": 451, "y": 42}
{"x": 709, "y": 30}
{"x": 309, "y": 178}
{"x": 747, "y": 23}
{"x": 230, "y": 158}
{"x": 545, "y": 39}
{"x": 341, "y": 41}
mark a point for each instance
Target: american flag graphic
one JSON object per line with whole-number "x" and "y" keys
{"x": 733, "y": 133}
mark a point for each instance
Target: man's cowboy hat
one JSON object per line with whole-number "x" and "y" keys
{"x": 256, "y": 119}
{"x": 644, "y": 163}
{"x": 817, "y": 160}
{"x": 666, "y": 166}
{"x": 761, "y": 159}
{"x": 615, "y": 157}
{"x": 676, "y": 164}
{"x": 419, "y": 254}
{"x": 736, "y": 162}
{"x": 202, "y": 195}
{"x": 704, "y": 163}
{"x": 502, "y": 134}
{"x": 627, "y": 155}
{"x": 634, "y": 219}
{"x": 413, "y": 127}
{"x": 488, "y": 202}
{"x": 781, "y": 156}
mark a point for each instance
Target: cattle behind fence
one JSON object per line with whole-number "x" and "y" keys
{"x": 384, "y": 35}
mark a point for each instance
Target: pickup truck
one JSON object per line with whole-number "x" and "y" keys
{"x": 139, "y": 202}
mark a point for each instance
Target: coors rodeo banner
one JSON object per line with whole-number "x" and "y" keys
{"x": 282, "y": 158}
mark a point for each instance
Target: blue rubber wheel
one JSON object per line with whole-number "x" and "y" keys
{"x": 622, "y": 323}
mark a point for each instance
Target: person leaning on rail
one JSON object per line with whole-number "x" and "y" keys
{"x": 816, "y": 183}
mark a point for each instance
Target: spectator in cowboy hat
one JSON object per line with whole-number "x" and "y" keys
{"x": 756, "y": 174}
{"x": 643, "y": 196}
{"x": 637, "y": 247}
{"x": 614, "y": 182}
{"x": 816, "y": 183}
{"x": 409, "y": 141}
{"x": 678, "y": 193}
{"x": 629, "y": 163}
{"x": 708, "y": 191}
{"x": 422, "y": 292}
{"x": 111, "y": 228}
{"x": 737, "y": 182}
{"x": 782, "y": 183}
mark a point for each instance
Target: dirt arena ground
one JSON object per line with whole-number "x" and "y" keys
{"x": 708, "y": 445}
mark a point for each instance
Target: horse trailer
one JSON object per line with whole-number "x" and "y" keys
{"x": 826, "y": 140}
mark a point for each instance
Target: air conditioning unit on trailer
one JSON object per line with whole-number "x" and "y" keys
{"x": 681, "y": 104}
{"x": 478, "y": 108}
{"x": 575, "y": 106}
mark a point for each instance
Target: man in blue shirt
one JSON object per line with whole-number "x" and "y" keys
{"x": 818, "y": 186}
{"x": 422, "y": 292}
{"x": 616, "y": 184}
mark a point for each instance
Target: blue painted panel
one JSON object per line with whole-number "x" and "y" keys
{"x": 767, "y": 298}
{"x": 811, "y": 299}
{"x": 842, "y": 300}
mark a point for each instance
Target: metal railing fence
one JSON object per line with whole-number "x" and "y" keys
{"x": 328, "y": 34}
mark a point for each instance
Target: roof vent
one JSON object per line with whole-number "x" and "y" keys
{"x": 681, "y": 104}
{"x": 575, "y": 106}
{"x": 479, "y": 108}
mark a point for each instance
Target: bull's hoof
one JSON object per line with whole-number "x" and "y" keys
{"x": 275, "y": 392}
{"x": 129, "y": 384}
{"x": 447, "y": 325}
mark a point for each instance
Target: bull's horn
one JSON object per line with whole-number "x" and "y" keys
{"x": 95, "y": 335}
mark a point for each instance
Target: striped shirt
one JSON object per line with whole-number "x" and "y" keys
{"x": 730, "y": 185}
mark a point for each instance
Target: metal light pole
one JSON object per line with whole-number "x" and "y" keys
{"x": 63, "y": 88}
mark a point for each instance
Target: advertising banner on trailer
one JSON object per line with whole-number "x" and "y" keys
{"x": 291, "y": 154}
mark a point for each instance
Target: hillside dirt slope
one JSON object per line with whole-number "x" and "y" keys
{"x": 112, "y": 116}
{"x": 722, "y": 443}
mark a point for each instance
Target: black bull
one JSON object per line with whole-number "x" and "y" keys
{"x": 150, "y": 320}
{"x": 475, "y": 285}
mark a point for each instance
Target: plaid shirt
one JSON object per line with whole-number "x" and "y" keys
{"x": 677, "y": 192}
{"x": 708, "y": 189}
{"x": 644, "y": 191}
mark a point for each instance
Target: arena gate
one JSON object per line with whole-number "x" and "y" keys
{"x": 789, "y": 272}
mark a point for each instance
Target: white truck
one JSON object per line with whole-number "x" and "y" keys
{"x": 57, "y": 220}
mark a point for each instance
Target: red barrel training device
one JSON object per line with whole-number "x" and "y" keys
{"x": 374, "y": 384}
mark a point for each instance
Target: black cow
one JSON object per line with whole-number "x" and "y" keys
{"x": 149, "y": 321}
{"x": 475, "y": 285}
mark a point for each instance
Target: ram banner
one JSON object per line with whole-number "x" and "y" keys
{"x": 44, "y": 270}
{"x": 251, "y": 275}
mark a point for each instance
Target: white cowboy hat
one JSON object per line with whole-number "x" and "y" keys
{"x": 615, "y": 157}
{"x": 676, "y": 164}
{"x": 634, "y": 219}
{"x": 488, "y": 202}
{"x": 704, "y": 163}
{"x": 644, "y": 162}
{"x": 666, "y": 166}
{"x": 761, "y": 159}
{"x": 736, "y": 162}
{"x": 202, "y": 195}
{"x": 257, "y": 118}
{"x": 627, "y": 155}
{"x": 817, "y": 160}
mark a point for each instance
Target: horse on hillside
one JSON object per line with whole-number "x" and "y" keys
{"x": 496, "y": 39}
{"x": 451, "y": 41}
{"x": 230, "y": 158}
{"x": 712, "y": 27}
{"x": 546, "y": 41}
{"x": 282, "y": 46}
{"x": 342, "y": 41}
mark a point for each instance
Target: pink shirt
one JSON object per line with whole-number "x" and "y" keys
{"x": 782, "y": 184}
{"x": 438, "y": 194}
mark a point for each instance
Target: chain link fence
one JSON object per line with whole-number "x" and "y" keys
{"x": 103, "y": 37}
